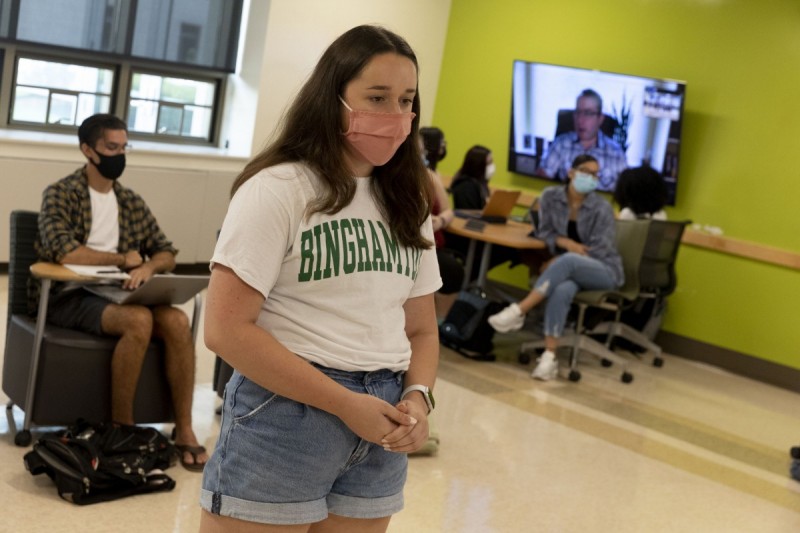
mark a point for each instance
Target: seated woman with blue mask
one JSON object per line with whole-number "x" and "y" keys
{"x": 578, "y": 226}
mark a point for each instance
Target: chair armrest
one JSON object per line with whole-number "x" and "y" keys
{"x": 56, "y": 272}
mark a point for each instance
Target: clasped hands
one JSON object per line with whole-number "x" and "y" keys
{"x": 401, "y": 428}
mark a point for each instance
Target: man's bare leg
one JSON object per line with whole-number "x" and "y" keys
{"x": 172, "y": 325}
{"x": 134, "y": 326}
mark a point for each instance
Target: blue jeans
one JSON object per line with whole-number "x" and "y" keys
{"x": 566, "y": 275}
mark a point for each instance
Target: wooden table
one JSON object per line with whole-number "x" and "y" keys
{"x": 512, "y": 234}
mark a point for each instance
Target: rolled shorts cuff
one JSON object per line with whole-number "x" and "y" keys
{"x": 271, "y": 513}
{"x": 365, "y": 508}
{"x": 301, "y": 512}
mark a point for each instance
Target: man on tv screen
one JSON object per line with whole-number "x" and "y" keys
{"x": 585, "y": 139}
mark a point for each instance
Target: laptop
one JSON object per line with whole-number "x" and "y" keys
{"x": 497, "y": 209}
{"x": 161, "y": 289}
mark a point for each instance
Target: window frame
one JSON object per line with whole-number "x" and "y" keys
{"x": 190, "y": 74}
{"x": 46, "y": 126}
{"x": 122, "y": 69}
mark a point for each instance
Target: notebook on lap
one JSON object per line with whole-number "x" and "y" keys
{"x": 161, "y": 289}
{"x": 497, "y": 209}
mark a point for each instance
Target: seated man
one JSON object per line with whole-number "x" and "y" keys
{"x": 586, "y": 139}
{"x": 89, "y": 218}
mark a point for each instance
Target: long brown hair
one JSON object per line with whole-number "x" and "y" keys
{"x": 311, "y": 132}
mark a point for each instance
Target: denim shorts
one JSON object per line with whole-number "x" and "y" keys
{"x": 278, "y": 461}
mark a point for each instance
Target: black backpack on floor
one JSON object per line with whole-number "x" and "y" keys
{"x": 465, "y": 329}
{"x": 97, "y": 462}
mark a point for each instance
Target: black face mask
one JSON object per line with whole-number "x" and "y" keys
{"x": 442, "y": 153}
{"x": 110, "y": 166}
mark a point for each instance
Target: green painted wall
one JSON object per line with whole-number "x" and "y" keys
{"x": 741, "y": 62}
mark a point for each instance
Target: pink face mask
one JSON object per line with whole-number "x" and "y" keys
{"x": 377, "y": 136}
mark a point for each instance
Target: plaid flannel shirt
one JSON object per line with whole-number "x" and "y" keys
{"x": 65, "y": 221}
{"x": 558, "y": 157}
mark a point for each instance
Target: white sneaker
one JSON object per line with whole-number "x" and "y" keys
{"x": 509, "y": 319}
{"x": 547, "y": 368}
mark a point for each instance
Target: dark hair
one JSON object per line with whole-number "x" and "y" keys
{"x": 583, "y": 158}
{"x": 432, "y": 138}
{"x": 311, "y": 132}
{"x": 474, "y": 165}
{"x": 591, "y": 93}
{"x": 641, "y": 189}
{"x": 91, "y": 130}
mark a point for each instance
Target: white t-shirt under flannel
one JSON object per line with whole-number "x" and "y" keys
{"x": 334, "y": 285}
{"x": 104, "y": 233}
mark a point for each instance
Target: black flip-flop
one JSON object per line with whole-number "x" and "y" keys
{"x": 195, "y": 451}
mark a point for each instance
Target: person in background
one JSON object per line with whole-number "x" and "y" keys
{"x": 435, "y": 146}
{"x": 578, "y": 226}
{"x": 321, "y": 299}
{"x": 470, "y": 190}
{"x": 89, "y": 218}
{"x": 451, "y": 266}
{"x": 641, "y": 193}
{"x": 470, "y": 185}
{"x": 585, "y": 139}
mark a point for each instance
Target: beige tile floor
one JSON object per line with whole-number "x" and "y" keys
{"x": 684, "y": 448}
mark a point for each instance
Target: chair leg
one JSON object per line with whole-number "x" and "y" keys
{"x": 198, "y": 306}
{"x": 12, "y": 425}
{"x": 624, "y": 331}
{"x": 33, "y": 373}
{"x": 599, "y": 350}
{"x": 527, "y": 348}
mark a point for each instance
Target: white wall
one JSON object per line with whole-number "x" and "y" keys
{"x": 298, "y": 31}
{"x": 187, "y": 187}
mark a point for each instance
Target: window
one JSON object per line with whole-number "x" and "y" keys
{"x": 5, "y": 19}
{"x": 50, "y": 92}
{"x": 160, "y": 64}
{"x": 203, "y": 33}
{"x": 150, "y": 30}
{"x": 86, "y": 25}
{"x": 171, "y": 106}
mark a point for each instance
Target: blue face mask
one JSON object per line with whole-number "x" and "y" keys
{"x": 584, "y": 183}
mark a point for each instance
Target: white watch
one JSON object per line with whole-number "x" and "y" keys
{"x": 426, "y": 393}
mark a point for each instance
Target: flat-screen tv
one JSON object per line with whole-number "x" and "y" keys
{"x": 558, "y": 112}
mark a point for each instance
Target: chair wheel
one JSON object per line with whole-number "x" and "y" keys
{"x": 606, "y": 362}
{"x": 627, "y": 377}
{"x": 574, "y": 375}
{"x": 658, "y": 362}
{"x": 524, "y": 358}
{"x": 23, "y": 438}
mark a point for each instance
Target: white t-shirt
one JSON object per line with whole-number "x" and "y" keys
{"x": 104, "y": 234}
{"x": 626, "y": 214}
{"x": 334, "y": 284}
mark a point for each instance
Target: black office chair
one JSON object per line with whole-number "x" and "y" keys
{"x": 657, "y": 280}
{"x": 57, "y": 375}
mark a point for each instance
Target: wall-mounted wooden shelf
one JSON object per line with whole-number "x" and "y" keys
{"x": 750, "y": 250}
